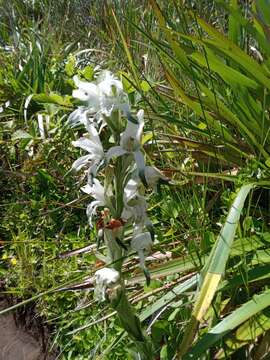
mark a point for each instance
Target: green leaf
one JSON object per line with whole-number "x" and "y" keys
{"x": 236, "y": 318}
{"x": 231, "y": 76}
{"x": 169, "y": 296}
{"x": 21, "y": 134}
{"x": 52, "y": 99}
{"x": 267, "y": 162}
{"x": 220, "y": 253}
{"x": 232, "y": 51}
{"x": 87, "y": 73}
{"x": 197, "y": 107}
{"x": 260, "y": 272}
{"x": 70, "y": 66}
{"x": 246, "y": 333}
{"x": 127, "y": 82}
{"x": 164, "y": 352}
{"x": 178, "y": 51}
{"x": 263, "y": 7}
{"x": 215, "y": 267}
{"x": 234, "y": 31}
{"x": 145, "y": 86}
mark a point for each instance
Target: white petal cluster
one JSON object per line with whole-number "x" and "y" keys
{"x": 100, "y": 98}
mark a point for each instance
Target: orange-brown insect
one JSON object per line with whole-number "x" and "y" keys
{"x": 99, "y": 263}
{"x": 112, "y": 224}
{"x": 115, "y": 224}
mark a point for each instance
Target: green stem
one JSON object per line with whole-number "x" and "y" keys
{"x": 117, "y": 296}
{"x": 130, "y": 322}
{"x": 119, "y": 190}
{"x": 115, "y": 252}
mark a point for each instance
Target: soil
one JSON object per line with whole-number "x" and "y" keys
{"x": 18, "y": 340}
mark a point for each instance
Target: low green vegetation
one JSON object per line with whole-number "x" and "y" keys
{"x": 200, "y": 70}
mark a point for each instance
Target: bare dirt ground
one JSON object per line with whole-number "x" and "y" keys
{"x": 16, "y": 343}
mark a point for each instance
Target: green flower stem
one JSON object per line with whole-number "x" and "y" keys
{"x": 119, "y": 188}
{"x": 115, "y": 252}
{"x": 117, "y": 296}
{"x": 130, "y": 322}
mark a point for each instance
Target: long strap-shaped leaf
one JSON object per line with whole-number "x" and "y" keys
{"x": 239, "y": 316}
{"x": 215, "y": 267}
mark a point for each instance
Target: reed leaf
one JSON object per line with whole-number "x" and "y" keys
{"x": 215, "y": 266}
{"x": 236, "y": 318}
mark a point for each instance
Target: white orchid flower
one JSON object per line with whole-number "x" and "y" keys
{"x": 79, "y": 116}
{"x": 142, "y": 243}
{"x": 135, "y": 204}
{"x": 105, "y": 278}
{"x": 101, "y": 98}
{"x": 131, "y": 137}
{"x": 130, "y": 142}
{"x": 153, "y": 176}
{"x": 109, "y": 85}
{"x": 93, "y": 145}
{"x": 96, "y": 190}
{"x": 132, "y": 189}
{"x": 87, "y": 92}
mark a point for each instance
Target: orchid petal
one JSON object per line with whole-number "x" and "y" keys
{"x": 142, "y": 243}
{"x": 87, "y": 189}
{"x": 94, "y": 136}
{"x": 91, "y": 211}
{"x": 84, "y": 144}
{"x": 87, "y": 92}
{"x": 140, "y": 117}
{"x": 98, "y": 191}
{"x": 79, "y": 116}
{"x": 131, "y": 137}
{"x": 153, "y": 176}
{"x": 81, "y": 162}
{"x": 79, "y": 94}
{"x": 107, "y": 82}
{"x": 115, "y": 151}
{"x": 90, "y": 146}
{"x": 130, "y": 189}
